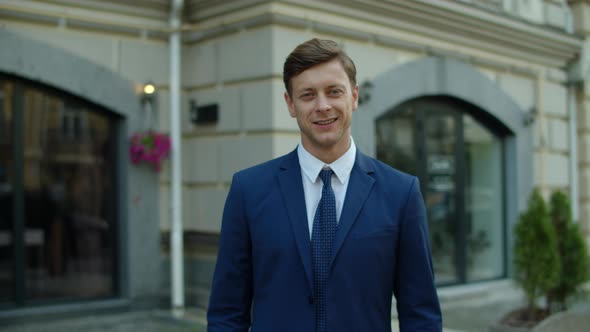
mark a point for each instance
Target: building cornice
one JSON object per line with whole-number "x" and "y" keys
{"x": 468, "y": 26}
{"x": 88, "y": 15}
{"x": 417, "y": 24}
{"x": 430, "y": 23}
{"x": 152, "y": 9}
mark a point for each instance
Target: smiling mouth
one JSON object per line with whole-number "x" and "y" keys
{"x": 325, "y": 122}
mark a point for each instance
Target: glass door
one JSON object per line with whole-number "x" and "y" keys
{"x": 484, "y": 206}
{"x": 459, "y": 162}
{"x": 441, "y": 189}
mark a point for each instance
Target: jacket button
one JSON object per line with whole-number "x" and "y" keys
{"x": 310, "y": 299}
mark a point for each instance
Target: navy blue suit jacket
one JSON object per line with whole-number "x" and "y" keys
{"x": 263, "y": 277}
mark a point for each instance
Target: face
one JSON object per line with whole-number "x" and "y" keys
{"x": 322, "y": 101}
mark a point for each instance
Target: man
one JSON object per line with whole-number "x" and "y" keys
{"x": 320, "y": 239}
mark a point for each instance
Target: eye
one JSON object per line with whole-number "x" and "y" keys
{"x": 306, "y": 96}
{"x": 336, "y": 92}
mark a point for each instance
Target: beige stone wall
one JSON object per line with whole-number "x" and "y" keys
{"x": 239, "y": 67}
{"x": 552, "y": 133}
{"x": 581, "y": 11}
{"x": 118, "y": 53}
{"x": 234, "y": 70}
{"x": 547, "y": 12}
{"x": 584, "y": 158}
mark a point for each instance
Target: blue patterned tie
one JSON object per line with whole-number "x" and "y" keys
{"x": 322, "y": 239}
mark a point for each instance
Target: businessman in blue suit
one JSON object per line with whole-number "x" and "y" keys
{"x": 319, "y": 240}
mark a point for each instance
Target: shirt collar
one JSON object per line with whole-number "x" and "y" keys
{"x": 311, "y": 166}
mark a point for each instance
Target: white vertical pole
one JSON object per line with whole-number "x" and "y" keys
{"x": 176, "y": 229}
{"x": 572, "y": 108}
{"x": 573, "y": 142}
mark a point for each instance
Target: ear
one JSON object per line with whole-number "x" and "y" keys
{"x": 290, "y": 105}
{"x": 355, "y": 97}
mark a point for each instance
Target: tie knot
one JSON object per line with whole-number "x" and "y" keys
{"x": 326, "y": 176}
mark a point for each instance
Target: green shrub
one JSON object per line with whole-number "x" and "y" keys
{"x": 536, "y": 262}
{"x": 572, "y": 251}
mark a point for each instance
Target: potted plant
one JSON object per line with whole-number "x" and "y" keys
{"x": 149, "y": 147}
{"x": 572, "y": 252}
{"x": 550, "y": 263}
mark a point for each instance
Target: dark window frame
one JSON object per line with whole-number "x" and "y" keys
{"x": 18, "y": 223}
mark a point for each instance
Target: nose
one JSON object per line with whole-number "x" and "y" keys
{"x": 323, "y": 104}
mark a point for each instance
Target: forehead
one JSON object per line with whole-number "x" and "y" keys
{"x": 323, "y": 75}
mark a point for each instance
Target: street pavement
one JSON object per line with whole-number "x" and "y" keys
{"x": 145, "y": 321}
{"x": 465, "y": 309}
{"x": 194, "y": 320}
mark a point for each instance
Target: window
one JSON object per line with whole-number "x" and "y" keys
{"x": 57, "y": 197}
{"x": 458, "y": 158}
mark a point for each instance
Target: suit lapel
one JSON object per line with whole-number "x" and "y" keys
{"x": 359, "y": 187}
{"x": 293, "y": 195}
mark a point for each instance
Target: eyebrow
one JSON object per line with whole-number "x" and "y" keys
{"x": 304, "y": 90}
{"x": 314, "y": 89}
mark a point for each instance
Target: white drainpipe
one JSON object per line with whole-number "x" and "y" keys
{"x": 573, "y": 128}
{"x": 573, "y": 140}
{"x": 176, "y": 229}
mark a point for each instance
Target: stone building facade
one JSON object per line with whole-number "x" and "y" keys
{"x": 482, "y": 99}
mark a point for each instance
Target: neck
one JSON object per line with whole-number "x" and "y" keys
{"x": 328, "y": 154}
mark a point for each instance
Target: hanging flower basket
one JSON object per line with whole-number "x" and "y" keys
{"x": 150, "y": 147}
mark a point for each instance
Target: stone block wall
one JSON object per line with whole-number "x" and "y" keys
{"x": 240, "y": 69}
{"x": 254, "y": 117}
{"x": 584, "y": 161}
{"x": 581, "y": 12}
{"x": 135, "y": 58}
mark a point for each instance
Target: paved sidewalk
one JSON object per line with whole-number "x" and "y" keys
{"x": 145, "y": 321}
{"x": 474, "y": 308}
{"x": 465, "y": 309}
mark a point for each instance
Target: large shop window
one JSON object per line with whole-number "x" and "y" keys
{"x": 458, "y": 158}
{"x": 57, "y": 197}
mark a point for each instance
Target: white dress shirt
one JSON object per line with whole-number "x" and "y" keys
{"x": 312, "y": 184}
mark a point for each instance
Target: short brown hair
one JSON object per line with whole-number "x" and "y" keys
{"x": 314, "y": 52}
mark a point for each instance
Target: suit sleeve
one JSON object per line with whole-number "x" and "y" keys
{"x": 231, "y": 291}
{"x": 417, "y": 301}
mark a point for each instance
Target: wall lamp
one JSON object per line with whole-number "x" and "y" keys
{"x": 365, "y": 90}
{"x": 148, "y": 92}
{"x": 148, "y": 95}
{"x": 528, "y": 118}
{"x": 203, "y": 114}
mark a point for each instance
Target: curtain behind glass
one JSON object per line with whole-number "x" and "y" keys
{"x": 69, "y": 227}
{"x": 6, "y": 194}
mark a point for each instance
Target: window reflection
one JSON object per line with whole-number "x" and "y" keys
{"x": 6, "y": 200}
{"x": 483, "y": 205}
{"x": 68, "y": 199}
{"x": 67, "y": 163}
{"x": 459, "y": 163}
{"x": 441, "y": 193}
{"x": 395, "y": 140}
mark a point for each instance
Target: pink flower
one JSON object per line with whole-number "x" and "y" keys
{"x": 150, "y": 147}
